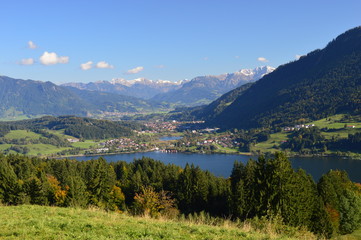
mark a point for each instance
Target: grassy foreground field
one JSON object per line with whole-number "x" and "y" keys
{"x": 356, "y": 235}
{"x": 36, "y": 222}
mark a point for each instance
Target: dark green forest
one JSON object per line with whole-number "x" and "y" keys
{"x": 79, "y": 127}
{"x": 322, "y": 83}
{"x": 310, "y": 140}
{"x": 266, "y": 187}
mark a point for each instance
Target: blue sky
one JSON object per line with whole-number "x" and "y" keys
{"x": 89, "y": 40}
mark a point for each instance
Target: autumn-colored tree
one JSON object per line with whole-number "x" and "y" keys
{"x": 57, "y": 195}
{"x": 117, "y": 200}
{"x": 151, "y": 203}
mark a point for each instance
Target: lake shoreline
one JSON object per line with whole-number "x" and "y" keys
{"x": 222, "y": 164}
{"x": 289, "y": 155}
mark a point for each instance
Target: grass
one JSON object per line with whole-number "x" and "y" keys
{"x": 85, "y": 145}
{"x": 275, "y": 139}
{"x": 36, "y": 222}
{"x": 341, "y": 133}
{"x": 4, "y": 146}
{"x": 60, "y": 133}
{"x": 13, "y": 115}
{"x": 356, "y": 235}
{"x": 333, "y": 123}
{"x": 44, "y": 149}
{"x": 227, "y": 150}
{"x": 17, "y": 134}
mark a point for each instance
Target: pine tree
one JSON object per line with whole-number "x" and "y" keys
{"x": 9, "y": 187}
{"x": 77, "y": 195}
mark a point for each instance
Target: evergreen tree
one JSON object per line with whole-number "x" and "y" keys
{"x": 342, "y": 201}
{"x": 100, "y": 179}
{"x": 77, "y": 195}
{"x": 238, "y": 199}
{"x": 37, "y": 191}
{"x": 9, "y": 187}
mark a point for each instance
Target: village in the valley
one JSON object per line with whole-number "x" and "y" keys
{"x": 169, "y": 136}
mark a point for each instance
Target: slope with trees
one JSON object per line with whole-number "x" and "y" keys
{"x": 267, "y": 188}
{"x": 28, "y": 98}
{"x": 322, "y": 83}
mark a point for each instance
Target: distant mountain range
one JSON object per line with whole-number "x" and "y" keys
{"x": 32, "y": 98}
{"x": 205, "y": 89}
{"x": 140, "y": 87}
{"x": 322, "y": 83}
{"x": 198, "y": 91}
{"x": 27, "y": 97}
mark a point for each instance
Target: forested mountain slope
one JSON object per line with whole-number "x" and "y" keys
{"x": 322, "y": 83}
{"x": 31, "y": 98}
{"x": 34, "y": 98}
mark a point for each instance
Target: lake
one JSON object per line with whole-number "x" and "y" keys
{"x": 221, "y": 164}
{"x": 169, "y": 138}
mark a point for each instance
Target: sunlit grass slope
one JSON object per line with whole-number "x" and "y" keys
{"x": 36, "y": 222}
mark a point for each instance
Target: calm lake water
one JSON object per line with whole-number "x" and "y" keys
{"x": 169, "y": 138}
{"x": 221, "y": 164}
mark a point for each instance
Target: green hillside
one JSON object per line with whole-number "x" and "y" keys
{"x": 21, "y": 99}
{"x": 333, "y": 129}
{"x": 322, "y": 83}
{"x": 27, "y": 97}
{"x": 66, "y": 135}
{"x": 36, "y": 222}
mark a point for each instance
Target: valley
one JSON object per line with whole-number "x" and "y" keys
{"x": 53, "y": 138}
{"x": 268, "y": 148}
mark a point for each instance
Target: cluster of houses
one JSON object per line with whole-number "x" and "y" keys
{"x": 160, "y": 126}
{"x": 73, "y": 140}
{"x": 171, "y": 126}
{"x": 297, "y": 127}
{"x": 226, "y": 141}
{"x": 122, "y": 145}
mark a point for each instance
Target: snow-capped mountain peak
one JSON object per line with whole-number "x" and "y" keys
{"x": 255, "y": 73}
{"x": 146, "y": 88}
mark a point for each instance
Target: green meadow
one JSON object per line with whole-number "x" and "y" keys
{"x": 334, "y": 124}
{"x": 37, "y": 222}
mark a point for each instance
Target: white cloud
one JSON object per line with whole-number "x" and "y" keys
{"x": 103, "y": 64}
{"x": 135, "y": 70}
{"x": 160, "y": 66}
{"x": 262, "y": 59}
{"x": 86, "y": 66}
{"x": 27, "y": 61}
{"x": 32, "y": 45}
{"x": 52, "y": 58}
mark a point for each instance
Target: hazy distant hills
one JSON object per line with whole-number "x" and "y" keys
{"x": 27, "y": 97}
{"x": 198, "y": 91}
{"x": 141, "y": 87}
{"x": 31, "y": 98}
{"x": 320, "y": 84}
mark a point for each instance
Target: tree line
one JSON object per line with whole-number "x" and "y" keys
{"x": 79, "y": 127}
{"x": 265, "y": 187}
{"x": 310, "y": 140}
